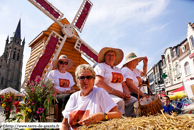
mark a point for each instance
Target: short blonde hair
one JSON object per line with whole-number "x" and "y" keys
{"x": 84, "y": 67}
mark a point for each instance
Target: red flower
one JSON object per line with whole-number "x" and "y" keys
{"x": 2, "y": 97}
{"x": 10, "y": 99}
{"x": 17, "y": 110}
{"x": 16, "y": 104}
{"x": 37, "y": 80}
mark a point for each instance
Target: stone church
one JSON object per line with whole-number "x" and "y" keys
{"x": 11, "y": 61}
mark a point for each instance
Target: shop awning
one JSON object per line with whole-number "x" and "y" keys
{"x": 161, "y": 95}
{"x": 179, "y": 89}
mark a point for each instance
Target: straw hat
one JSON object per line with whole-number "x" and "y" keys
{"x": 63, "y": 57}
{"x": 118, "y": 58}
{"x": 132, "y": 56}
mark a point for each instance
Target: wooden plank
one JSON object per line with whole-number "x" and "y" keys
{"x": 71, "y": 53}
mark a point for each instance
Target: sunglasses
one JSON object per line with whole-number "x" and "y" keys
{"x": 87, "y": 77}
{"x": 62, "y": 62}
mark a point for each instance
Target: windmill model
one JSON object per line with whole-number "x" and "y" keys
{"x": 54, "y": 43}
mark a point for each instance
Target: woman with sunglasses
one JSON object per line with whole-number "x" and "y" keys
{"x": 88, "y": 106}
{"x": 110, "y": 78}
{"x": 62, "y": 80}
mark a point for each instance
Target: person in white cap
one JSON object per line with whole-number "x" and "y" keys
{"x": 110, "y": 78}
{"x": 62, "y": 80}
{"x": 133, "y": 75}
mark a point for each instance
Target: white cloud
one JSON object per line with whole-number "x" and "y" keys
{"x": 156, "y": 28}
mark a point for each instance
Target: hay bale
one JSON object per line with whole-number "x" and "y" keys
{"x": 159, "y": 122}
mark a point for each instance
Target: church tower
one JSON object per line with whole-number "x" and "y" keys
{"x": 12, "y": 60}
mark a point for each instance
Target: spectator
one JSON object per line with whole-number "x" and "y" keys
{"x": 166, "y": 106}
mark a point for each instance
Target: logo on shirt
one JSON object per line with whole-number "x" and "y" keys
{"x": 117, "y": 77}
{"x": 64, "y": 83}
{"x": 76, "y": 116}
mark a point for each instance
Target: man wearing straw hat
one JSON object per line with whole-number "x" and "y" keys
{"x": 133, "y": 75}
{"x": 110, "y": 78}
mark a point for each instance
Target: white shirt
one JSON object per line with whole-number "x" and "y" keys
{"x": 111, "y": 76}
{"x": 79, "y": 108}
{"x": 128, "y": 73}
{"x": 61, "y": 81}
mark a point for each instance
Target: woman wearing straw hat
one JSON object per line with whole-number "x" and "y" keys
{"x": 62, "y": 80}
{"x": 132, "y": 74}
{"x": 110, "y": 77}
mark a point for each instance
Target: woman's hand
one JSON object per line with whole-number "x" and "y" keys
{"x": 145, "y": 60}
{"x": 72, "y": 90}
{"x": 66, "y": 92}
{"x": 92, "y": 119}
{"x": 127, "y": 96}
{"x": 118, "y": 93}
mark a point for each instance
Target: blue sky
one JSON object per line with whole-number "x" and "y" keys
{"x": 146, "y": 27}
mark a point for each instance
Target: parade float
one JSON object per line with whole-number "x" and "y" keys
{"x": 62, "y": 38}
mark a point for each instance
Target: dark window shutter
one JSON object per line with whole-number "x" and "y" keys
{"x": 178, "y": 51}
{"x": 192, "y": 41}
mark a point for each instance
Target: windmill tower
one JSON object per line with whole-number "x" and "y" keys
{"x": 60, "y": 38}
{"x": 12, "y": 60}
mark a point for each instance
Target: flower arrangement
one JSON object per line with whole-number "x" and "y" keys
{"x": 38, "y": 97}
{"x": 7, "y": 104}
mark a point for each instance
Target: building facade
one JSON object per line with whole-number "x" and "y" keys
{"x": 150, "y": 75}
{"x": 178, "y": 63}
{"x": 12, "y": 60}
{"x": 187, "y": 63}
{"x": 156, "y": 82}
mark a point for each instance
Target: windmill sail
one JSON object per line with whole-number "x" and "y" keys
{"x": 44, "y": 59}
{"x": 48, "y": 9}
{"x": 82, "y": 14}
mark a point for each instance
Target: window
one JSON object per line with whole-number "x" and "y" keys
{"x": 163, "y": 60}
{"x": 187, "y": 68}
{"x": 192, "y": 40}
{"x": 177, "y": 70}
{"x": 150, "y": 77}
{"x": 174, "y": 52}
{"x": 168, "y": 59}
{"x": 183, "y": 48}
{"x": 2, "y": 80}
{"x": 18, "y": 57}
{"x": 14, "y": 55}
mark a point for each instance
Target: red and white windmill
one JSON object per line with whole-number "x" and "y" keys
{"x": 68, "y": 30}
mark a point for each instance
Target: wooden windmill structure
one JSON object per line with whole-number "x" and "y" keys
{"x": 60, "y": 38}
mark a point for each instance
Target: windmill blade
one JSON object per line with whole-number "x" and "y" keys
{"x": 86, "y": 50}
{"x": 48, "y": 9}
{"x": 50, "y": 52}
{"x": 82, "y": 15}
